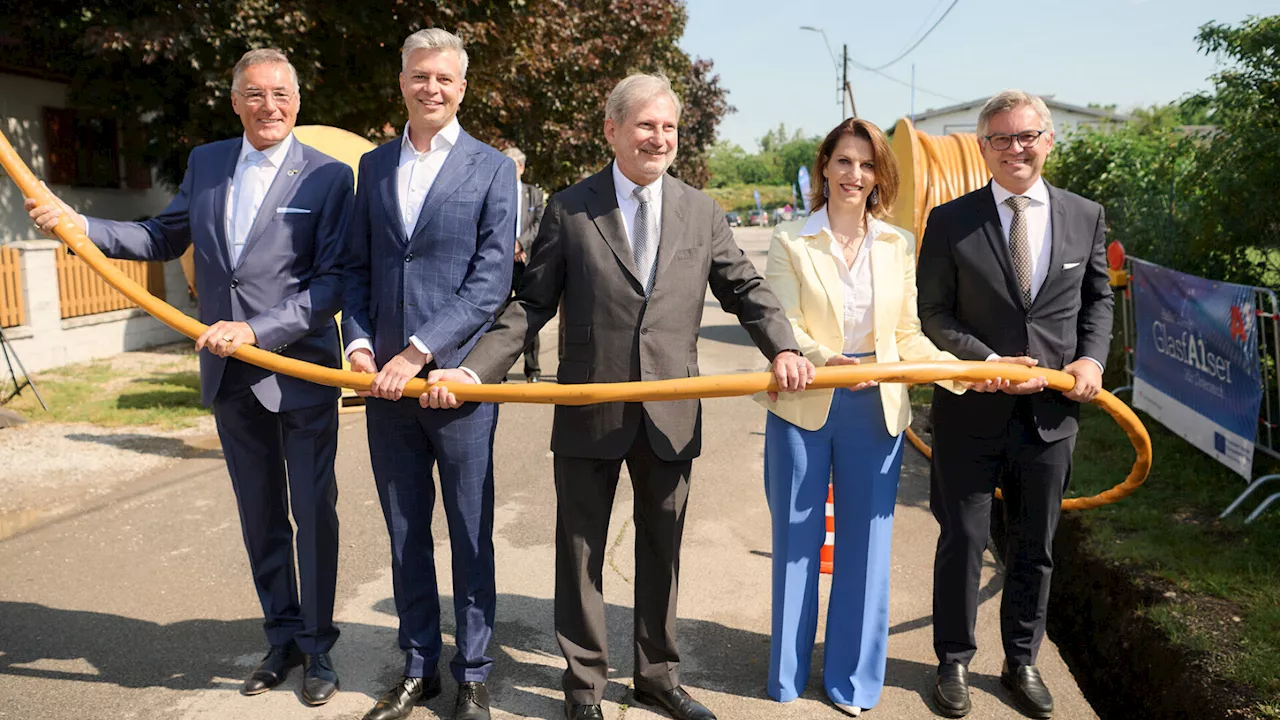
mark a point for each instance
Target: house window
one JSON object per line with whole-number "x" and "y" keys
{"x": 83, "y": 149}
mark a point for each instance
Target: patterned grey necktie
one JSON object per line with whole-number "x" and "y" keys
{"x": 1019, "y": 248}
{"x": 644, "y": 238}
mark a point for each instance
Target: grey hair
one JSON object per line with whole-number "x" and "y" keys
{"x": 262, "y": 56}
{"x": 434, "y": 39}
{"x": 516, "y": 154}
{"x": 637, "y": 89}
{"x": 1011, "y": 100}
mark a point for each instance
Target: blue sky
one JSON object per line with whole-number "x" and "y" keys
{"x": 1130, "y": 52}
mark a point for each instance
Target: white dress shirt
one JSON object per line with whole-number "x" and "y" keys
{"x": 267, "y": 171}
{"x": 1039, "y": 229}
{"x": 417, "y": 171}
{"x": 627, "y": 203}
{"x": 415, "y": 174}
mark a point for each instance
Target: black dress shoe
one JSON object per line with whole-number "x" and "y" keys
{"x": 473, "y": 702}
{"x": 676, "y": 702}
{"x": 1029, "y": 693}
{"x": 582, "y": 712}
{"x": 398, "y": 702}
{"x": 273, "y": 669}
{"x": 321, "y": 682}
{"x": 951, "y": 693}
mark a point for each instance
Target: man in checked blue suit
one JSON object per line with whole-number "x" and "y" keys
{"x": 267, "y": 216}
{"x": 431, "y": 247}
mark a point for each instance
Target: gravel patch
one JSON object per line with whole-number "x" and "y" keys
{"x": 51, "y": 469}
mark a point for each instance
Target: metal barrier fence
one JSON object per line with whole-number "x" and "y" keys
{"x": 81, "y": 291}
{"x": 1267, "y": 439}
{"x": 11, "y": 311}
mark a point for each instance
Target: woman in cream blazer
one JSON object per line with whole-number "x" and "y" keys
{"x": 847, "y": 282}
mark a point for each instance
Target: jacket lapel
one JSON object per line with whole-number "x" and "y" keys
{"x": 603, "y": 206}
{"x": 824, "y": 266}
{"x": 220, "y": 200}
{"x": 452, "y": 174}
{"x": 388, "y": 168}
{"x": 986, "y": 209}
{"x": 1058, "y": 236}
{"x": 286, "y": 177}
{"x": 673, "y": 211}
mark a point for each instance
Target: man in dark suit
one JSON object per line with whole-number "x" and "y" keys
{"x": 267, "y": 216}
{"x": 430, "y": 263}
{"x": 631, "y": 250}
{"x": 531, "y": 206}
{"x": 1013, "y": 272}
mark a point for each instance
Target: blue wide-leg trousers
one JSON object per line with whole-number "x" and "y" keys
{"x": 855, "y": 453}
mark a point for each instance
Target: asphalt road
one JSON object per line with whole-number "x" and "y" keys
{"x": 142, "y": 607}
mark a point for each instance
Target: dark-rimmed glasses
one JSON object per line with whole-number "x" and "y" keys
{"x": 1026, "y": 139}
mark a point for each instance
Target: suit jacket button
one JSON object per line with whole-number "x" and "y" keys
{"x": 408, "y": 258}
{"x": 1028, "y": 319}
{"x": 234, "y": 283}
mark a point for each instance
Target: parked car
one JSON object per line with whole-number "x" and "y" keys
{"x": 735, "y": 220}
{"x": 758, "y": 218}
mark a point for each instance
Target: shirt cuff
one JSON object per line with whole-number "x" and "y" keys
{"x": 993, "y": 357}
{"x": 422, "y": 347}
{"x": 361, "y": 344}
{"x": 471, "y": 374}
{"x": 1095, "y": 362}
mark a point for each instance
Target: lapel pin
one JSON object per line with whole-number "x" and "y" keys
{"x": 293, "y": 172}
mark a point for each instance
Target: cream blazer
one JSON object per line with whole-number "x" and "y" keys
{"x": 802, "y": 272}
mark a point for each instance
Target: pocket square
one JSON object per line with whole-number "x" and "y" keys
{"x": 292, "y": 210}
{"x": 1068, "y": 266}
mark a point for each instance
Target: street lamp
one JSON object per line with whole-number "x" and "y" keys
{"x": 842, "y": 76}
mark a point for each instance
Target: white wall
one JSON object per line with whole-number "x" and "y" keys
{"x": 22, "y": 100}
{"x": 45, "y": 340}
{"x": 966, "y": 121}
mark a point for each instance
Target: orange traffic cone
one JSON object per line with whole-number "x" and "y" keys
{"x": 828, "y": 553}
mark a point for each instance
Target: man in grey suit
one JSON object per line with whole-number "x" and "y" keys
{"x": 430, "y": 247}
{"x": 631, "y": 250}
{"x": 529, "y": 215}
{"x": 267, "y": 216}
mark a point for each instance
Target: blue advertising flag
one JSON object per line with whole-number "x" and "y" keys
{"x": 757, "y": 194}
{"x": 802, "y": 179}
{"x": 1196, "y": 366}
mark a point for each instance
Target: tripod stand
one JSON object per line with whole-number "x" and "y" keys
{"x": 11, "y": 357}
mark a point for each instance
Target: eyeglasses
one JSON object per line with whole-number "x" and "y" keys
{"x": 1004, "y": 142}
{"x": 257, "y": 98}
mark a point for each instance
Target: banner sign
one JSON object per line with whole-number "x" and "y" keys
{"x": 1196, "y": 361}
{"x": 802, "y": 179}
{"x": 756, "y": 193}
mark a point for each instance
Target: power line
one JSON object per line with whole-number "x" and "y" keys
{"x": 904, "y": 83}
{"x": 922, "y": 39}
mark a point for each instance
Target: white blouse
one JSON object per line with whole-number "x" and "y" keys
{"x": 859, "y": 300}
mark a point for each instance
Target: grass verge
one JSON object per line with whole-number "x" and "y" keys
{"x": 159, "y": 388}
{"x": 1221, "y": 577}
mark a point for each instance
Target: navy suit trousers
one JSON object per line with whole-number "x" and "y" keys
{"x": 279, "y": 460}
{"x": 405, "y": 443}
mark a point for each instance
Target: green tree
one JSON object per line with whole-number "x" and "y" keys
{"x": 1201, "y": 202}
{"x": 540, "y": 69}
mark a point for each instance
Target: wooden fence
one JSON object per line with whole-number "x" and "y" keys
{"x": 82, "y": 292}
{"x": 11, "y": 314}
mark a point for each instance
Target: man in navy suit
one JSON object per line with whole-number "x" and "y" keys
{"x": 267, "y": 216}
{"x": 1016, "y": 272}
{"x": 431, "y": 248}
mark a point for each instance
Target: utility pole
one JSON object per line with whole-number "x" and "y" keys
{"x": 846, "y": 90}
